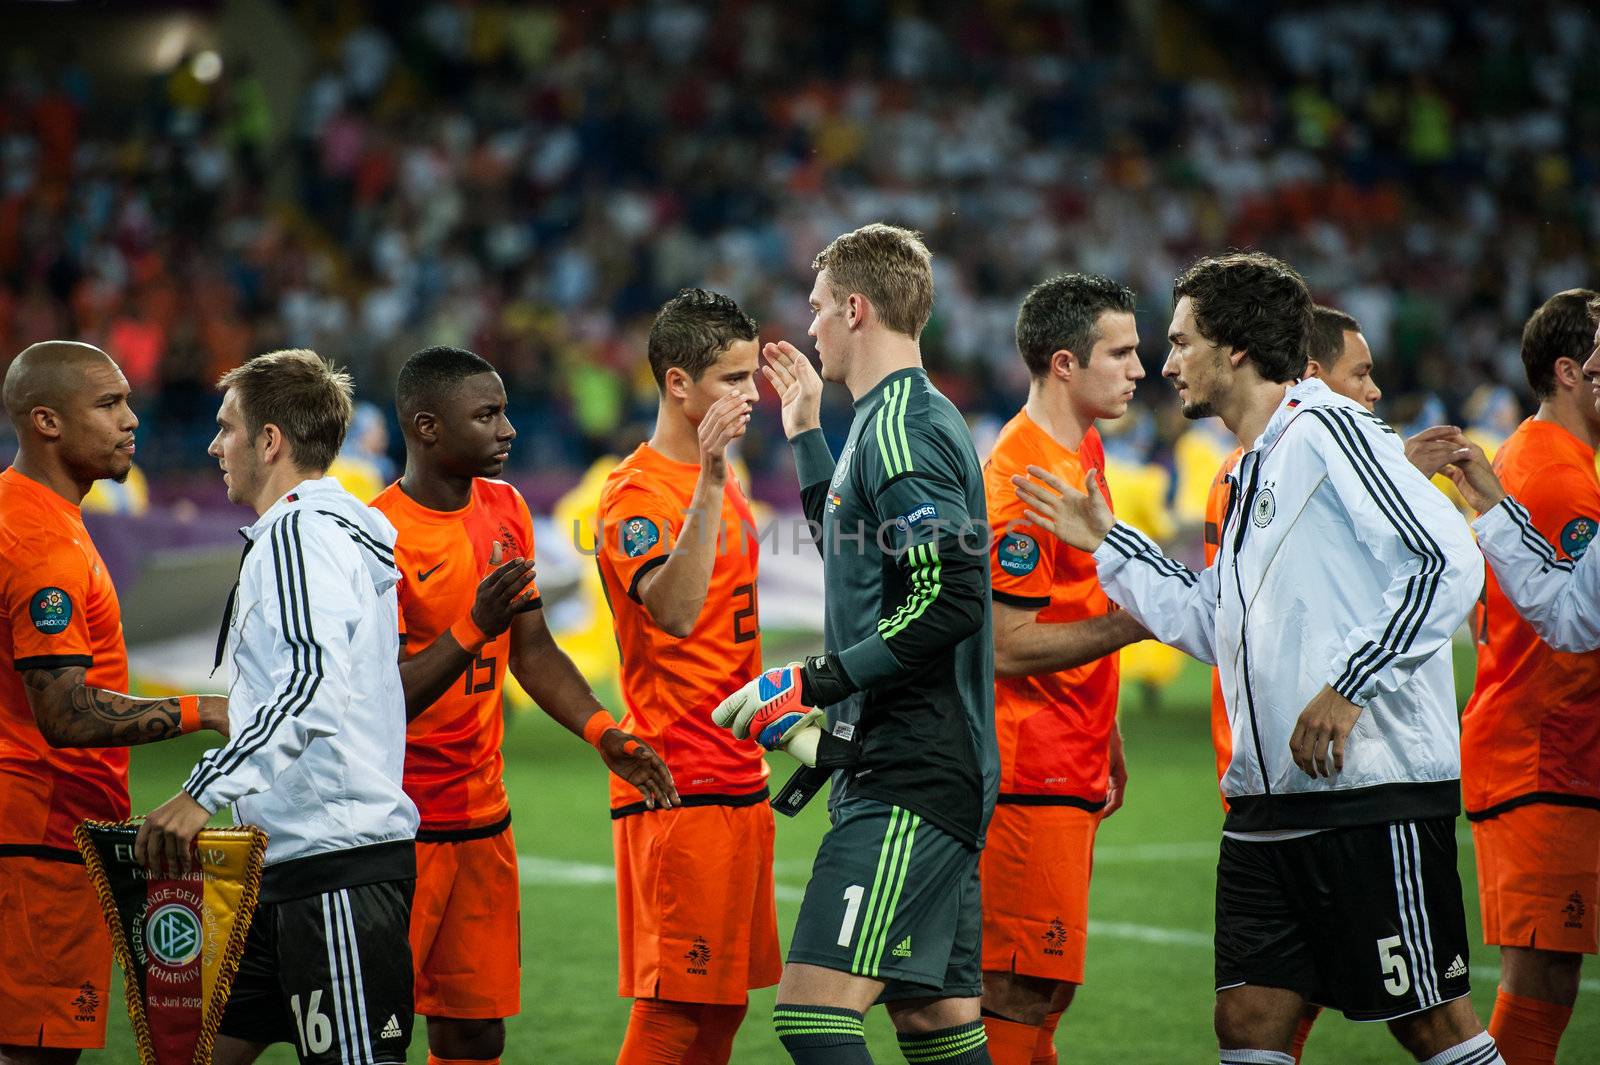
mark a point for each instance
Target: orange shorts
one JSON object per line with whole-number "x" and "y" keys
{"x": 1539, "y": 877}
{"x": 1036, "y": 867}
{"x": 466, "y": 929}
{"x": 55, "y": 956}
{"x": 696, "y": 916}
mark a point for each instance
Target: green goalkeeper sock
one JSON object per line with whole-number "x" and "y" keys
{"x": 965, "y": 1044}
{"x": 821, "y": 1035}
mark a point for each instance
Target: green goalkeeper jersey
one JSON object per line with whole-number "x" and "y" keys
{"x": 904, "y": 540}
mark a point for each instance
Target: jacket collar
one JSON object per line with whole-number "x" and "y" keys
{"x": 1310, "y": 392}
{"x": 308, "y": 490}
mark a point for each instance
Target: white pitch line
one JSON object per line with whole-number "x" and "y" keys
{"x": 555, "y": 871}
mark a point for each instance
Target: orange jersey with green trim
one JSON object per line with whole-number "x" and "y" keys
{"x": 454, "y": 769}
{"x": 1054, "y": 729}
{"x": 1532, "y": 727}
{"x": 58, "y": 609}
{"x": 671, "y": 685}
{"x": 1216, "y": 512}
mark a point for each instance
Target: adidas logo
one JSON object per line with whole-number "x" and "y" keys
{"x": 902, "y": 949}
{"x": 1457, "y": 968}
{"x": 392, "y": 1029}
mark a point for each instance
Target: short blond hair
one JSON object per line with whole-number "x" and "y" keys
{"x": 888, "y": 265}
{"x": 307, "y": 399}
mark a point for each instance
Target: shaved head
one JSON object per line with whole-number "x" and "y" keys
{"x": 48, "y": 374}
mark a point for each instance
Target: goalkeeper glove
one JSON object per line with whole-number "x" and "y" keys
{"x": 768, "y": 710}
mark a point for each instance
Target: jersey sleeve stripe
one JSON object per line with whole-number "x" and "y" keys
{"x": 305, "y": 661}
{"x": 1021, "y": 602}
{"x": 384, "y": 552}
{"x": 1533, "y": 538}
{"x": 1421, "y": 588}
{"x": 644, "y": 567}
{"x": 925, "y": 573}
{"x": 53, "y": 662}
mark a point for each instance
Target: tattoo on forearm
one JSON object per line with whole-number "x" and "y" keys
{"x": 72, "y": 714}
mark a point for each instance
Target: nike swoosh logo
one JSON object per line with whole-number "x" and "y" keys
{"x": 423, "y": 575}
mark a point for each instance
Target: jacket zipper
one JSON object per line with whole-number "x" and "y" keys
{"x": 1241, "y": 511}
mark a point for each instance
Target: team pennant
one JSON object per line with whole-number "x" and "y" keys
{"x": 178, "y": 939}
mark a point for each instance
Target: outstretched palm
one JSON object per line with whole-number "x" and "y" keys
{"x": 1080, "y": 519}
{"x": 795, "y": 380}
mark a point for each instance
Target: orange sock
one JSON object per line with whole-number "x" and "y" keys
{"x": 1010, "y": 1042}
{"x": 1302, "y": 1032}
{"x": 713, "y": 1045}
{"x": 434, "y": 1059}
{"x": 1526, "y": 1029}
{"x": 1044, "y": 1051}
{"x": 659, "y": 1032}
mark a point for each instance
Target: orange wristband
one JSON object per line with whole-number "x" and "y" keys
{"x": 468, "y": 635}
{"x": 596, "y": 726}
{"x": 189, "y": 713}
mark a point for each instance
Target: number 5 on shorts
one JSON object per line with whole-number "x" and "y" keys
{"x": 1396, "y": 980}
{"x": 852, "y": 910}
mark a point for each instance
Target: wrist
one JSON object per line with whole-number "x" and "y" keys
{"x": 600, "y": 722}
{"x": 468, "y": 634}
{"x": 189, "y": 714}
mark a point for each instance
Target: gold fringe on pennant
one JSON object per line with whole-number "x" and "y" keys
{"x": 227, "y": 969}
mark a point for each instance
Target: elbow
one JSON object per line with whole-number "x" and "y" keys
{"x": 55, "y": 737}
{"x": 675, "y": 622}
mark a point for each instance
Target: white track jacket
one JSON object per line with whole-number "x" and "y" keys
{"x": 1339, "y": 565}
{"x": 316, "y": 713}
{"x": 1560, "y": 599}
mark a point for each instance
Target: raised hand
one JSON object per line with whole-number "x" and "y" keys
{"x": 1079, "y": 519}
{"x": 725, "y": 421}
{"x": 1474, "y": 477}
{"x": 505, "y": 592}
{"x": 1435, "y": 448}
{"x": 795, "y": 381}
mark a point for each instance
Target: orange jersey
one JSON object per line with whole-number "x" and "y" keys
{"x": 454, "y": 768}
{"x": 670, "y": 686}
{"x": 1054, "y": 729}
{"x": 58, "y": 609}
{"x": 1216, "y": 512}
{"x": 1531, "y": 730}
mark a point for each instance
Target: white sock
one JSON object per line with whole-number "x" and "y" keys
{"x": 1256, "y": 1057}
{"x": 1479, "y": 1050}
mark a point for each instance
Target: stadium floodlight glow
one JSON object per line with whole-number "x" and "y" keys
{"x": 206, "y": 67}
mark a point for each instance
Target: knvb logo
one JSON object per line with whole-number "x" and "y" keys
{"x": 87, "y": 1004}
{"x": 699, "y": 957}
{"x": 1055, "y": 938}
{"x": 1575, "y": 910}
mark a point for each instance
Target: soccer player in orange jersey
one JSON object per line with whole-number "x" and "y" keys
{"x": 63, "y": 720}
{"x": 696, "y": 920}
{"x": 469, "y": 610}
{"x": 1055, "y": 638}
{"x": 1530, "y": 737}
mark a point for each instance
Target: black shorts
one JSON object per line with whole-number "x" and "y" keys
{"x": 331, "y": 974}
{"x": 1366, "y": 920}
{"x": 894, "y": 898}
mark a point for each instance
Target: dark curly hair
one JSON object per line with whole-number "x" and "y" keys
{"x": 1560, "y": 329}
{"x": 1254, "y": 303}
{"x": 1064, "y": 313}
{"x": 692, "y": 329}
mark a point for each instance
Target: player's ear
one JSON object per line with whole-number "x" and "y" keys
{"x": 856, "y": 307}
{"x": 426, "y": 426}
{"x": 45, "y": 421}
{"x": 1062, "y": 362}
{"x": 1568, "y": 372}
{"x": 1236, "y": 357}
{"x": 676, "y": 383}
{"x": 272, "y": 443}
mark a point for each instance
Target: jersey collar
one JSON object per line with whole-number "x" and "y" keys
{"x": 309, "y": 489}
{"x": 876, "y": 392}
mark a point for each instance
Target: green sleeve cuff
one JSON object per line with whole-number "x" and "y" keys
{"x": 812, "y": 459}
{"x": 869, "y": 663}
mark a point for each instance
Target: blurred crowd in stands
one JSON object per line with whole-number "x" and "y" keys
{"x": 532, "y": 182}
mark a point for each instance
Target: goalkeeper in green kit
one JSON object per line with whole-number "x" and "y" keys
{"x": 901, "y": 702}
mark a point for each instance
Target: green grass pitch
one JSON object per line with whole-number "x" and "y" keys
{"x": 1147, "y": 998}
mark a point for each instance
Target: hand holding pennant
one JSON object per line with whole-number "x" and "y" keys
{"x": 178, "y": 938}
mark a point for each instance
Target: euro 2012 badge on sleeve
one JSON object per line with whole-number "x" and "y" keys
{"x": 178, "y": 939}
{"x": 1575, "y": 536}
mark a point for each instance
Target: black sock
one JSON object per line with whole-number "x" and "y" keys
{"x": 821, "y": 1035}
{"x": 965, "y": 1044}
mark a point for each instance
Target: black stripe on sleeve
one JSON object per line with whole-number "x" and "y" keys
{"x": 1421, "y": 588}
{"x": 306, "y": 660}
{"x": 645, "y": 567}
{"x": 1533, "y": 538}
{"x": 53, "y": 662}
{"x": 1021, "y": 602}
{"x": 384, "y": 552}
{"x": 1135, "y": 547}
